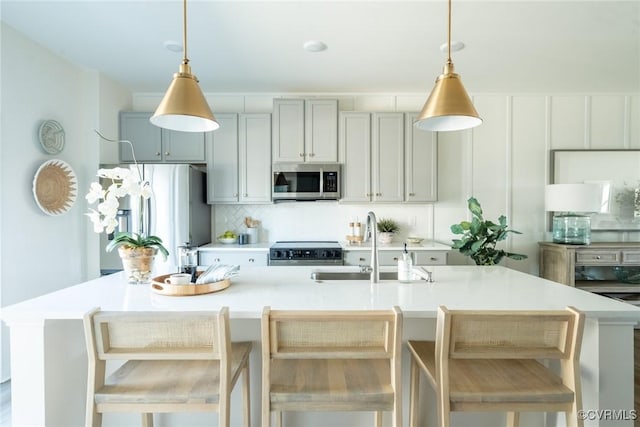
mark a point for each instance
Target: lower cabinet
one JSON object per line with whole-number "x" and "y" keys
{"x": 390, "y": 258}
{"x": 241, "y": 258}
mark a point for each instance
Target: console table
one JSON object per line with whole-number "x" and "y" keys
{"x": 589, "y": 267}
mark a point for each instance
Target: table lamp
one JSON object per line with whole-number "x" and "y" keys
{"x": 570, "y": 203}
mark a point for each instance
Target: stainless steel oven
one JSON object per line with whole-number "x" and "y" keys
{"x": 305, "y": 253}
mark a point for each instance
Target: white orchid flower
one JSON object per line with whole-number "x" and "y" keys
{"x": 114, "y": 173}
{"x": 110, "y": 225}
{"x": 95, "y": 193}
{"x": 96, "y": 220}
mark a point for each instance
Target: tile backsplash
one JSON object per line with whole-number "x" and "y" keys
{"x": 320, "y": 220}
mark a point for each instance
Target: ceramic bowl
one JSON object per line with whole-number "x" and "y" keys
{"x": 414, "y": 240}
{"x": 227, "y": 240}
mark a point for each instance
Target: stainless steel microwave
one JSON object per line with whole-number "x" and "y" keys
{"x": 305, "y": 181}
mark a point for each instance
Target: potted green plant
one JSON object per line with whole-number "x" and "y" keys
{"x": 386, "y": 230}
{"x": 479, "y": 237}
{"x": 136, "y": 251}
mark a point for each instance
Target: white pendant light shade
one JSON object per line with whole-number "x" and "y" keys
{"x": 184, "y": 107}
{"x": 449, "y": 106}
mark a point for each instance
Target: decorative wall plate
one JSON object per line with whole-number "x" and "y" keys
{"x": 55, "y": 187}
{"x": 51, "y": 136}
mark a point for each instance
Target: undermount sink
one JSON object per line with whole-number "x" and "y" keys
{"x": 351, "y": 275}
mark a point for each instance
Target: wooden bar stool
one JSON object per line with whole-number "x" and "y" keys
{"x": 331, "y": 361}
{"x": 491, "y": 361}
{"x": 175, "y": 362}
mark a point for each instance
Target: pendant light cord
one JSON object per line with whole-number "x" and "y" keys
{"x": 448, "y": 35}
{"x": 185, "y": 60}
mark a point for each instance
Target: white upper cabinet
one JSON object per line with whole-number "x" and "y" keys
{"x": 255, "y": 164}
{"x": 239, "y": 163}
{"x": 222, "y": 161}
{"x": 157, "y": 145}
{"x": 305, "y": 130}
{"x": 355, "y": 156}
{"x": 372, "y": 153}
{"x": 421, "y": 162}
{"x": 387, "y": 157}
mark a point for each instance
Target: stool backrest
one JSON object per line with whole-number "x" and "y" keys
{"x": 373, "y": 334}
{"x": 158, "y": 335}
{"x": 471, "y": 334}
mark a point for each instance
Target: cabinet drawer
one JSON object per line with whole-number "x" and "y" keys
{"x": 631, "y": 257}
{"x": 357, "y": 258}
{"x": 431, "y": 258}
{"x": 593, "y": 257}
{"x": 241, "y": 258}
{"x": 388, "y": 258}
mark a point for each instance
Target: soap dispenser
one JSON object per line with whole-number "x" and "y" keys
{"x": 405, "y": 266}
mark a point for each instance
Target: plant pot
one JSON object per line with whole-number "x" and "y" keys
{"x": 385, "y": 237}
{"x": 137, "y": 263}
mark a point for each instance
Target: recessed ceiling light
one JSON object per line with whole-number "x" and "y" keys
{"x": 455, "y": 46}
{"x": 173, "y": 46}
{"x": 314, "y": 46}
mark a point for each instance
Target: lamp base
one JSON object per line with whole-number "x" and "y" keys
{"x": 572, "y": 229}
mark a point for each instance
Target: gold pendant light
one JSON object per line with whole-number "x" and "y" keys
{"x": 449, "y": 106}
{"x": 184, "y": 107}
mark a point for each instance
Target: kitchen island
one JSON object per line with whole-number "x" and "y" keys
{"x": 48, "y": 358}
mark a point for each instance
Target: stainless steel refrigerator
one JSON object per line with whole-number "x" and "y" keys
{"x": 177, "y": 212}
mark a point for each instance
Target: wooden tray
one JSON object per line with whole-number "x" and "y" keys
{"x": 160, "y": 287}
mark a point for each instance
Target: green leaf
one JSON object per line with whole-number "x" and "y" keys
{"x": 457, "y": 229}
{"x": 517, "y": 257}
{"x": 475, "y": 207}
{"x": 503, "y": 220}
{"x": 475, "y": 247}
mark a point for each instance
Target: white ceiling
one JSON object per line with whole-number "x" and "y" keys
{"x": 373, "y": 46}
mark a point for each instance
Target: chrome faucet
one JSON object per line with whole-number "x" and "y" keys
{"x": 372, "y": 227}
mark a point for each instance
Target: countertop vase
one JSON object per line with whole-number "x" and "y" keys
{"x": 385, "y": 237}
{"x": 137, "y": 263}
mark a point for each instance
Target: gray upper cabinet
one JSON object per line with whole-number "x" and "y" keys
{"x": 156, "y": 145}
{"x": 385, "y": 159}
{"x": 305, "y": 130}
{"x": 421, "y": 163}
{"x": 239, "y": 159}
{"x": 372, "y": 153}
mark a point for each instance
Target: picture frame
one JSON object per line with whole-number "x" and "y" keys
{"x": 618, "y": 171}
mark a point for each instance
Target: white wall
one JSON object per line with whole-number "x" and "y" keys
{"x": 504, "y": 163}
{"x": 42, "y": 253}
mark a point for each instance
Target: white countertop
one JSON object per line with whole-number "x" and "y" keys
{"x": 292, "y": 288}
{"x": 394, "y": 246}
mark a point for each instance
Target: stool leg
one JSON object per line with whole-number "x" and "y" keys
{"x": 378, "y": 419}
{"x": 245, "y": 396}
{"x": 147, "y": 420}
{"x": 513, "y": 419}
{"x": 414, "y": 386}
{"x": 278, "y": 418}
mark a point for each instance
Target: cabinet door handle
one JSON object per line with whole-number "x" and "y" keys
{"x": 157, "y": 153}
{"x": 251, "y": 260}
{"x": 395, "y": 258}
{"x": 301, "y": 154}
{"x": 597, "y": 256}
{"x": 246, "y": 195}
{"x": 412, "y": 194}
{"x": 361, "y": 259}
{"x": 235, "y": 194}
{"x": 217, "y": 260}
{"x": 311, "y": 154}
{"x": 433, "y": 258}
{"x": 378, "y": 194}
{"x": 166, "y": 153}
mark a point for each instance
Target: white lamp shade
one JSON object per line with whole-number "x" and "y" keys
{"x": 573, "y": 197}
